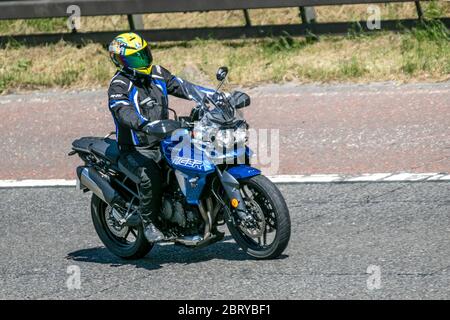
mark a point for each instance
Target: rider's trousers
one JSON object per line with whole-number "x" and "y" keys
{"x": 143, "y": 162}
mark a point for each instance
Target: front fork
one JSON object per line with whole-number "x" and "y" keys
{"x": 232, "y": 190}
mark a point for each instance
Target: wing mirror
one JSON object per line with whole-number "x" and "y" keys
{"x": 222, "y": 73}
{"x": 240, "y": 99}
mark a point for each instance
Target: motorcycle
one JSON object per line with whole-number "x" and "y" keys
{"x": 208, "y": 182}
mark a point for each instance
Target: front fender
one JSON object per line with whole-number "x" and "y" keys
{"x": 243, "y": 171}
{"x": 232, "y": 190}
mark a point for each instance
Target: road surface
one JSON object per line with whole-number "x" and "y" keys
{"x": 338, "y": 232}
{"x": 343, "y": 129}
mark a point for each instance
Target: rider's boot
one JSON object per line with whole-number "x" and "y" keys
{"x": 152, "y": 233}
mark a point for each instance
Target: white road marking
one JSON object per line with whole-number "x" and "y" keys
{"x": 350, "y": 93}
{"x": 37, "y": 183}
{"x": 313, "y": 178}
{"x": 366, "y": 177}
{"x": 410, "y": 177}
{"x": 369, "y": 177}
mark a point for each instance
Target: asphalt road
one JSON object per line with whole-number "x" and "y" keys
{"x": 338, "y": 231}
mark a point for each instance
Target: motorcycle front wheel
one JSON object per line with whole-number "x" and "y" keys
{"x": 123, "y": 241}
{"x": 269, "y": 235}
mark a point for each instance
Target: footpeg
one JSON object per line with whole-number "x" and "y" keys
{"x": 133, "y": 220}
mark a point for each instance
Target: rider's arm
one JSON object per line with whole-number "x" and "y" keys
{"x": 122, "y": 108}
{"x": 184, "y": 89}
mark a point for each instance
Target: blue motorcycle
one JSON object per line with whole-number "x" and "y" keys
{"x": 208, "y": 182}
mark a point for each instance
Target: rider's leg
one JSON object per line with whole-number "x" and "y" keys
{"x": 143, "y": 163}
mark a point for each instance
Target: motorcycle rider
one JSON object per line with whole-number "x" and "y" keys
{"x": 138, "y": 94}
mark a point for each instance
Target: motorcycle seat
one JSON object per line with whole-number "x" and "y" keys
{"x": 104, "y": 147}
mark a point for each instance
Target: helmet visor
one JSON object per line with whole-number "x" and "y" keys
{"x": 140, "y": 59}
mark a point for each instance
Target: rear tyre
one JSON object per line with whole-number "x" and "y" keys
{"x": 267, "y": 206}
{"x": 125, "y": 242}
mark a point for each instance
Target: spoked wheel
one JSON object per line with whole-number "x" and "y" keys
{"x": 267, "y": 235}
{"x": 125, "y": 242}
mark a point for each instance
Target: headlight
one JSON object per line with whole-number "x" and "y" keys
{"x": 227, "y": 138}
{"x": 240, "y": 135}
{"x": 224, "y": 138}
{"x": 211, "y": 136}
{"x": 204, "y": 130}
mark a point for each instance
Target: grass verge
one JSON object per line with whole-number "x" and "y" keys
{"x": 422, "y": 54}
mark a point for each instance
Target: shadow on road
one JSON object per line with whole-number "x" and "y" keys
{"x": 167, "y": 254}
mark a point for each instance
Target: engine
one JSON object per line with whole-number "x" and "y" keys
{"x": 173, "y": 211}
{"x": 180, "y": 220}
{"x": 178, "y": 216}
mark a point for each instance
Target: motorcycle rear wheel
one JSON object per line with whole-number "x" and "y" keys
{"x": 267, "y": 202}
{"x": 126, "y": 243}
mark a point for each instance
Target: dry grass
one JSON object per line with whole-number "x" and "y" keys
{"x": 420, "y": 55}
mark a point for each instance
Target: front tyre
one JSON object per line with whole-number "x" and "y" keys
{"x": 123, "y": 241}
{"x": 271, "y": 230}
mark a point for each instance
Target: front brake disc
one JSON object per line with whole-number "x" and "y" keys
{"x": 258, "y": 226}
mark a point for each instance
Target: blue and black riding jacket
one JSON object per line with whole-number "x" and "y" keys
{"x": 135, "y": 101}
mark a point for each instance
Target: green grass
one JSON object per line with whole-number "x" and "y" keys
{"x": 352, "y": 68}
{"x": 8, "y": 27}
{"x": 426, "y": 49}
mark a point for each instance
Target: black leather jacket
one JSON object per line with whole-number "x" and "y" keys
{"x": 135, "y": 101}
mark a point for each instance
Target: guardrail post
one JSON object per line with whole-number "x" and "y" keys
{"x": 419, "y": 10}
{"x": 308, "y": 16}
{"x": 136, "y": 22}
{"x": 248, "y": 22}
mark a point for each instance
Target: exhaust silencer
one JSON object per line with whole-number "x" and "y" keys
{"x": 91, "y": 179}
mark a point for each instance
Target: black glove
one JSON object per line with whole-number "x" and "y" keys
{"x": 145, "y": 127}
{"x": 161, "y": 128}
